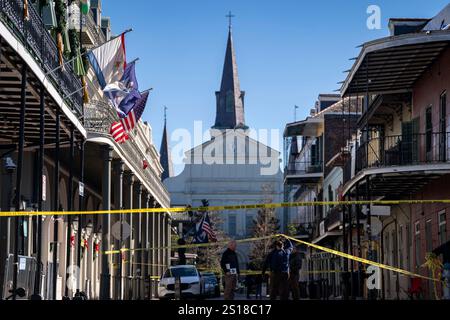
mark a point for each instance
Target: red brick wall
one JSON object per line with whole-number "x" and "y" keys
{"x": 439, "y": 189}
{"x": 428, "y": 89}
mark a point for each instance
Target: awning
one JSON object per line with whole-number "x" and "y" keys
{"x": 306, "y": 128}
{"x": 394, "y": 64}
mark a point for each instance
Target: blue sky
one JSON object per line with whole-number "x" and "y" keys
{"x": 288, "y": 51}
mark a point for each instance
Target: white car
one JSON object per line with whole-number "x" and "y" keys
{"x": 189, "y": 280}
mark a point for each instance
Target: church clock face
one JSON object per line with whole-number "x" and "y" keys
{"x": 230, "y": 101}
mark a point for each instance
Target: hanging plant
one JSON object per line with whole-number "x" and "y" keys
{"x": 61, "y": 29}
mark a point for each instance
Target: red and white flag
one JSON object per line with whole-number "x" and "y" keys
{"x": 118, "y": 132}
{"x": 129, "y": 122}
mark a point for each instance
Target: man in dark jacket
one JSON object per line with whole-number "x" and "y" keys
{"x": 230, "y": 267}
{"x": 278, "y": 263}
{"x": 295, "y": 264}
{"x": 444, "y": 250}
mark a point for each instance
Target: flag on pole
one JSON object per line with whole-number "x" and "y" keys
{"x": 109, "y": 61}
{"x": 204, "y": 232}
{"x": 207, "y": 227}
{"x": 120, "y": 129}
{"x": 118, "y": 133}
{"x": 85, "y": 6}
{"x": 124, "y": 94}
{"x": 129, "y": 122}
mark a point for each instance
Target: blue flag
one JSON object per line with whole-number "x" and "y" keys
{"x": 125, "y": 93}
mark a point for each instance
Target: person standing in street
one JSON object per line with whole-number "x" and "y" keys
{"x": 295, "y": 264}
{"x": 230, "y": 267}
{"x": 277, "y": 262}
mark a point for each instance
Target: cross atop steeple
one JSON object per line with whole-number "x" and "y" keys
{"x": 230, "y": 16}
{"x": 230, "y": 98}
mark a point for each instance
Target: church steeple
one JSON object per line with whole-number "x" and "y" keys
{"x": 164, "y": 152}
{"x": 230, "y": 98}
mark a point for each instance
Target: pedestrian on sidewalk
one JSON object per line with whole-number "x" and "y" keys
{"x": 444, "y": 250}
{"x": 295, "y": 264}
{"x": 277, "y": 262}
{"x": 230, "y": 267}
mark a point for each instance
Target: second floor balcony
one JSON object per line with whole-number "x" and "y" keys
{"x": 98, "y": 120}
{"x": 404, "y": 150}
{"x": 399, "y": 165}
{"x": 308, "y": 172}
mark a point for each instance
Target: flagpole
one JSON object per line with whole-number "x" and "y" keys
{"x": 148, "y": 90}
{"x": 84, "y": 53}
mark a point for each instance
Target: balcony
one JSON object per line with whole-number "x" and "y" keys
{"x": 334, "y": 218}
{"x": 99, "y": 117}
{"x": 303, "y": 173}
{"x": 40, "y": 44}
{"x": 402, "y": 164}
{"x": 92, "y": 35}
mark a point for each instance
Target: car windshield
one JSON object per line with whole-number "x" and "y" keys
{"x": 181, "y": 272}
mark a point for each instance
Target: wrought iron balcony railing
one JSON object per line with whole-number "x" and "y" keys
{"x": 40, "y": 44}
{"x": 403, "y": 150}
{"x": 93, "y": 30}
{"x": 303, "y": 168}
{"x": 98, "y": 119}
{"x": 334, "y": 216}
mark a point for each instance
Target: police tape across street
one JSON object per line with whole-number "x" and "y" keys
{"x": 222, "y": 208}
{"x": 311, "y": 245}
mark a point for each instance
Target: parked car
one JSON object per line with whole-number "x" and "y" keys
{"x": 210, "y": 284}
{"x": 189, "y": 282}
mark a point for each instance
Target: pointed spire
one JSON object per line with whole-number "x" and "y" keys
{"x": 164, "y": 152}
{"x": 230, "y": 98}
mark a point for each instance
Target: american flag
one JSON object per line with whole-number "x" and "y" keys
{"x": 129, "y": 122}
{"x": 119, "y": 130}
{"x": 206, "y": 226}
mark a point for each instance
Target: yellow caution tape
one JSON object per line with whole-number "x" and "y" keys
{"x": 221, "y": 208}
{"x": 315, "y": 246}
{"x": 361, "y": 260}
{"x": 188, "y": 246}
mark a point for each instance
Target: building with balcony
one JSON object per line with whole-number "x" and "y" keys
{"x": 315, "y": 153}
{"x": 57, "y": 155}
{"x": 402, "y": 147}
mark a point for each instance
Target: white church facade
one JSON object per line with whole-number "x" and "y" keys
{"x": 232, "y": 168}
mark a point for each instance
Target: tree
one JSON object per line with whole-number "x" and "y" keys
{"x": 265, "y": 225}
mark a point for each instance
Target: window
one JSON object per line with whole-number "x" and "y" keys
{"x": 232, "y": 225}
{"x": 442, "y": 227}
{"x": 330, "y": 195}
{"x": 428, "y": 130}
{"x": 417, "y": 244}
{"x": 400, "y": 247}
{"x": 394, "y": 248}
{"x": 428, "y": 236}
{"x": 249, "y": 225}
